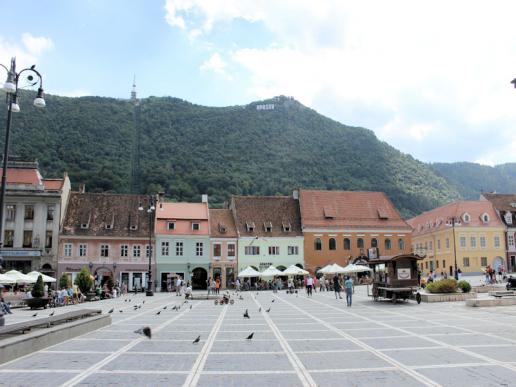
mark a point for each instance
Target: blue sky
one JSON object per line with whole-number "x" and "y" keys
{"x": 431, "y": 79}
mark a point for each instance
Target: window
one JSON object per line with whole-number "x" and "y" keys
{"x": 179, "y": 249}
{"x": 401, "y": 244}
{"x": 483, "y": 242}
{"x": 217, "y": 250}
{"x": 48, "y": 239}
{"x": 388, "y": 244}
{"x": 231, "y": 250}
{"x": 466, "y": 218}
{"x": 67, "y": 249}
{"x": 137, "y": 251}
{"x": 273, "y": 250}
{"x": 485, "y": 218}
{"x": 199, "y": 246}
{"x": 438, "y": 244}
{"x": 252, "y": 250}
{"x": 374, "y": 242}
{"x": 462, "y": 241}
{"x": 50, "y": 212}
{"x": 447, "y": 243}
{"x": 436, "y": 264}
{"x": 497, "y": 241}
{"x": 444, "y": 264}
{"x": 430, "y": 245}
{"x": 124, "y": 250}
{"x": 8, "y": 238}
{"x": 287, "y": 227}
{"x": 347, "y": 244}
{"x": 317, "y": 244}
{"x": 465, "y": 261}
{"x": 27, "y": 238}
{"x": 267, "y": 226}
{"x": 82, "y": 250}
{"x": 473, "y": 242}
{"x": 508, "y": 217}
{"x": 171, "y": 226}
{"x": 483, "y": 261}
{"x": 360, "y": 243}
{"x": 29, "y": 212}
{"x": 249, "y": 226}
{"x": 10, "y": 212}
{"x": 165, "y": 248}
{"x": 104, "y": 250}
{"x": 332, "y": 244}
{"x": 293, "y": 250}
{"x": 426, "y": 265}
{"x": 195, "y": 226}
{"x": 510, "y": 239}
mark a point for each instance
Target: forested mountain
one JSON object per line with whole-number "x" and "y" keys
{"x": 471, "y": 179}
{"x": 187, "y": 149}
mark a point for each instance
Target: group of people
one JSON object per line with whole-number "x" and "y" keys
{"x": 180, "y": 286}
{"x": 213, "y": 285}
{"x": 491, "y": 275}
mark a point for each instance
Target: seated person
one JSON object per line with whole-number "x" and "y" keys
{"x": 5, "y": 306}
{"x": 511, "y": 282}
{"x": 188, "y": 291}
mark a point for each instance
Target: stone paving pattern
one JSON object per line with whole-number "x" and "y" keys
{"x": 303, "y": 341}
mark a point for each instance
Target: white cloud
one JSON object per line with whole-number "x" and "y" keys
{"x": 27, "y": 51}
{"x": 36, "y": 45}
{"x": 216, "y": 64}
{"x": 438, "y": 72}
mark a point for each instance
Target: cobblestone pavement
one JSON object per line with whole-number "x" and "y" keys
{"x": 310, "y": 342}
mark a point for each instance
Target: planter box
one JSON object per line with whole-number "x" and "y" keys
{"x": 487, "y": 288}
{"x": 36, "y": 303}
{"x": 447, "y": 297}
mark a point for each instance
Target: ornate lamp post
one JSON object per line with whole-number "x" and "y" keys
{"x": 453, "y": 222}
{"x": 11, "y": 87}
{"x": 151, "y": 209}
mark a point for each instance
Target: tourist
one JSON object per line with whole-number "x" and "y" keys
{"x": 348, "y": 285}
{"x": 45, "y": 291}
{"x": 217, "y": 285}
{"x": 430, "y": 277}
{"x": 5, "y": 306}
{"x": 459, "y": 273}
{"x": 309, "y": 285}
{"x": 188, "y": 291}
{"x": 237, "y": 284}
{"x": 336, "y": 286}
{"x": 178, "y": 286}
{"x": 419, "y": 278}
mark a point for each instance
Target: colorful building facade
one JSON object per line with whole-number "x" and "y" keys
{"x": 224, "y": 250}
{"x": 467, "y": 232}
{"x": 347, "y": 226}
{"x": 182, "y": 243}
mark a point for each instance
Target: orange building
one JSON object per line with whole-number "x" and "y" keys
{"x": 345, "y": 226}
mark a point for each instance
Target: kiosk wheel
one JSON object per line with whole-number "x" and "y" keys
{"x": 418, "y": 298}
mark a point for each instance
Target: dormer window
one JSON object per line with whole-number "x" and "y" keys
{"x": 466, "y": 217}
{"x": 249, "y": 226}
{"x": 267, "y": 226}
{"x": 485, "y": 217}
{"x": 109, "y": 226}
{"x": 222, "y": 228}
{"x": 171, "y": 226}
{"x": 195, "y": 226}
{"x": 508, "y": 217}
{"x": 382, "y": 214}
{"x": 84, "y": 226}
{"x": 329, "y": 212}
{"x": 287, "y": 227}
{"x": 133, "y": 227}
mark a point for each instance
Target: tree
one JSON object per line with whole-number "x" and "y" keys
{"x": 84, "y": 281}
{"x": 63, "y": 281}
{"x": 38, "y": 290}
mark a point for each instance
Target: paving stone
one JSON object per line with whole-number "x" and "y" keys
{"x": 332, "y": 361}
{"x": 432, "y": 356}
{"x": 31, "y": 379}
{"x": 45, "y": 361}
{"x": 251, "y": 362}
{"x": 86, "y": 345}
{"x": 128, "y": 379}
{"x": 322, "y": 345}
{"x": 244, "y": 345}
{"x": 366, "y": 378}
{"x": 166, "y": 346}
{"x": 398, "y": 342}
{"x": 488, "y": 376}
{"x": 504, "y": 354}
{"x": 149, "y": 362}
{"x": 271, "y": 379}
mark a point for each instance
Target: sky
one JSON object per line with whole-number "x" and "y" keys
{"x": 431, "y": 78}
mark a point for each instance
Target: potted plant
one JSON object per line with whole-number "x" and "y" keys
{"x": 84, "y": 282}
{"x": 37, "y": 300}
{"x": 64, "y": 282}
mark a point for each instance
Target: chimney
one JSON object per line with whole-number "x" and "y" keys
{"x": 204, "y": 198}
{"x": 295, "y": 194}
{"x": 82, "y": 188}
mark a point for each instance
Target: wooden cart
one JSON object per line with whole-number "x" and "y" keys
{"x": 395, "y": 278}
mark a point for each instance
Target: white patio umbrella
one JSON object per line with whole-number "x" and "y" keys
{"x": 20, "y": 278}
{"x": 294, "y": 270}
{"x": 271, "y": 271}
{"x": 248, "y": 272}
{"x": 332, "y": 269}
{"x": 352, "y": 268}
{"x": 6, "y": 280}
{"x": 46, "y": 278}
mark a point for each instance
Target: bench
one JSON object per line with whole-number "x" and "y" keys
{"x": 47, "y": 322}
{"x": 503, "y": 294}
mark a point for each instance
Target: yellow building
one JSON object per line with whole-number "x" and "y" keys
{"x": 469, "y": 231}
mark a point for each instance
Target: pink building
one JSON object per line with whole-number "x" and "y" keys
{"x": 223, "y": 252}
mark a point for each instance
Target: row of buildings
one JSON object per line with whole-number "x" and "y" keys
{"x": 49, "y": 228}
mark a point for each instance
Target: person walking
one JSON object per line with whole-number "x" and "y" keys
{"x": 217, "y": 285}
{"x": 336, "y": 286}
{"x": 179, "y": 282}
{"x": 309, "y": 285}
{"x": 348, "y": 284}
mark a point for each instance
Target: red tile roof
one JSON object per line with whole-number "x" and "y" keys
{"x": 222, "y": 224}
{"x": 22, "y": 176}
{"x": 193, "y": 211}
{"x": 52, "y": 184}
{"x": 502, "y": 202}
{"x": 436, "y": 219}
{"x": 348, "y": 209}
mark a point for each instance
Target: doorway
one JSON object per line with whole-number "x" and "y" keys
{"x": 199, "y": 278}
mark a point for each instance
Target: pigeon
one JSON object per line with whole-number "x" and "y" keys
{"x": 186, "y": 302}
{"x": 240, "y": 298}
{"x": 121, "y": 311}
{"x": 197, "y": 340}
{"x": 165, "y": 307}
{"x": 256, "y": 293}
{"x": 158, "y": 312}
{"x": 143, "y": 302}
{"x": 51, "y": 314}
{"x": 174, "y": 307}
{"x": 111, "y": 310}
{"x": 273, "y": 300}
{"x": 268, "y": 310}
{"x": 250, "y": 336}
{"x": 246, "y": 314}
{"x": 146, "y": 331}
{"x": 139, "y": 306}
{"x": 191, "y": 306}
{"x": 35, "y": 314}
{"x": 259, "y": 310}
{"x": 129, "y": 300}
{"x": 125, "y": 300}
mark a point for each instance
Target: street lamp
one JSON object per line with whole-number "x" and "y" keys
{"x": 453, "y": 222}
{"x": 151, "y": 209}
{"x": 11, "y": 87}
{"x": 114, "y": 272}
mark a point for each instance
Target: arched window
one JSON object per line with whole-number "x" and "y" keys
{"x": 401, "y": 244}
{"x": 374, "y": 242}
{"x": 317, "y": 244}
{"x": 360, "y": 243}
{"x": 347, "y": 244}
{"x": 388, "y": 244}
{"x": 332, "y": 244}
